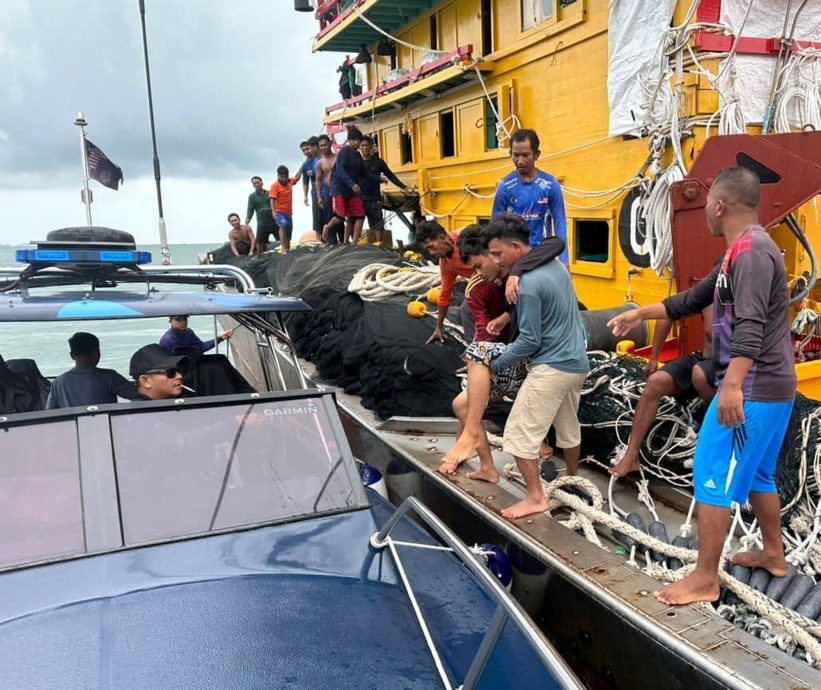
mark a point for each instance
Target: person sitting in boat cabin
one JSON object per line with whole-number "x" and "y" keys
{"x": 259, "y": 204}
{"x": 684, "y": 377}
{"x": 551, "y": 336}
{"x": 282, "y": 205}
{"x": 179, "y": 335}
{"x": 486, "y": 303}
{"x": 744, "y": 427}
{"x": 157, "y": 373}
{"x": 531, "y": 193}
{"x": 241, "y": 237}
{"x": 346, "y": 180}
{"x": 490, "y": 311}
{"x": 445, "y": 247}
{"x": 86, "y": 383}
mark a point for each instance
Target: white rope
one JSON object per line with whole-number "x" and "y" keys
{"x": 412, "y": 46}
{"x": 378, "y": 281}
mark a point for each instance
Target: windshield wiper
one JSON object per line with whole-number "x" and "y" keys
{"x": 228, "y": 466}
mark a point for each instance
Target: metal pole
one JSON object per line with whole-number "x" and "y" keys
{"x": 166, "y": 252}
{"x": 80, "y": 121}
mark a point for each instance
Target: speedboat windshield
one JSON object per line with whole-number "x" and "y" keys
{"x": 169, "y": 471}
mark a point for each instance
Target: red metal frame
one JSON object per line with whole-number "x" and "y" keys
{"x": 796, "y": 158}
{"x": 341, "y": 15}
{"x": 461, "y": 54}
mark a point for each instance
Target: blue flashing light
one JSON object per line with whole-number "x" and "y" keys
{"x": 81, "y": 256}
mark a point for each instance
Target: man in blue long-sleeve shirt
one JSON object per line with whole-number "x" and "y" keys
{"x": 532, "y": 193}
{"x": 346, "y": 178}
{"x": 179, "y": 335}
{"x": 551, "y": 336}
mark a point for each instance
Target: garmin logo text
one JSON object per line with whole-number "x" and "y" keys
{"x": 286, "y": 411}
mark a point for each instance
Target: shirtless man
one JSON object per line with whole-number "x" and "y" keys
{"x": 241, "y": 237}
{"x": 324, "y": 168}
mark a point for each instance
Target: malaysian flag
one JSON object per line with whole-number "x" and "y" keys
{"x": 100, "y": 168}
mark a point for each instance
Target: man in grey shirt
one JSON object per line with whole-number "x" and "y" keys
{"x": 85, "y": 384}
{"x": 551, "y": 337}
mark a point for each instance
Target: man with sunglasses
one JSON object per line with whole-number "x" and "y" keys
{"x": 179, "y": 335}
{"x": 158, "y": 375}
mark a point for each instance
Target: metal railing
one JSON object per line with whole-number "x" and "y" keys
{"x": 507, "y": 607}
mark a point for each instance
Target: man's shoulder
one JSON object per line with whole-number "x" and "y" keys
{"x": 510, "y": 179}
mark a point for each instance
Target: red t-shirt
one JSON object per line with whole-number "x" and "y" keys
{"x": 486, "y": 302}
{"x": 449, "y": 269}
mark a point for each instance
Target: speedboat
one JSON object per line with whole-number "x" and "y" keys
{"x": 228, "y": 539}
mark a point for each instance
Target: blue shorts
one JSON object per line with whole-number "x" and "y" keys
{"x": 729, "y": 463}
{"x": 286, "y": 225}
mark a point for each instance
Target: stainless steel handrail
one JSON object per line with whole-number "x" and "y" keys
{"x": 244, "y": 278}
{"x": 549, "y": 656}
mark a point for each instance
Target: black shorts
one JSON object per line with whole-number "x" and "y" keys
{"x": 317, "y": 214}
{"x": 681, "y": 371}
{"x": 266, "y": 231}
{"x": 373, "y": 212}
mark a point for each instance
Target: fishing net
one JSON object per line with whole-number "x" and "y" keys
{"x": 370, "y": 349}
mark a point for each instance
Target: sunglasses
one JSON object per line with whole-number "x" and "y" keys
{"x": 170, "y": 373}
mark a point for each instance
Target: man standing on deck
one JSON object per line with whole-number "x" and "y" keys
{"x": 376, "y": 173}
{"x": 744, "y": 427}
{"x": 445, "y": 247}
{"x": 346, "y": 178}
{"x": 332, "y": 234}
{"x": 551, "y": 336}
{"x": 259, "y": 203}
{"x": 532, "y": 193}
{"x": 308, "y": 169}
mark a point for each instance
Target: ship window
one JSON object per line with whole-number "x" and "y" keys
{"x": 592, "y": 240}
{"x": 406, "y": 142}
{"x": 487, "y": 27}
{"x": 534, "y": 12}
{"x": 447, "y": 134}
{"x": 491, "y": 121}
{"x": 434, "y": 33}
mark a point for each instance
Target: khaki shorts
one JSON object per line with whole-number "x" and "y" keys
{"x": 548, "y": 397}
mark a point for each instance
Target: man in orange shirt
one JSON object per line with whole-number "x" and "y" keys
{"x": 433, "y": 237}
{"x": 282, "y": 205}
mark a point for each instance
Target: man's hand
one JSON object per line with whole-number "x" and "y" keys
{"x": 437, "y": 335}
{"x": 356, "y": 189}
{"x": 497, "y": 325}
{"x": 227, "y": 334}
{"x": 512, "y": 289}
{"x": 305, "y": 201}
{"x": 651, "y": 368}
{"x": 383, "y": 179}
{"x": 730, "y": 406}
{"x": 320, "y": 202}
{"x": 624, "y": 322}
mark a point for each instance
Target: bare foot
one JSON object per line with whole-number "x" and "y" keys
{"x": 525, "y": 507}
{"x": 775, "y": 563}
{"x": 485, "y": 475}
{"x": 694, "y": 587}
{"x": 464, "y": 448}
{"x": 627, "y": 464}
{"x": 545, "y": 451}
{"x": 449, "y": 466}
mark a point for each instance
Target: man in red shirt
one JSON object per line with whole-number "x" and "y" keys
{"x": 443, "y": 245}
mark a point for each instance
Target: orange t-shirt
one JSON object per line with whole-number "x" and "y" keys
{"x": 449, "y": 269}
{"x": 283, "y": 196}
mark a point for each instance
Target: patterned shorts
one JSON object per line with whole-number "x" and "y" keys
{"x": 504, "y": 383}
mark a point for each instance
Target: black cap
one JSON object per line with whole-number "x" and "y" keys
{"x": 153, "y": 358}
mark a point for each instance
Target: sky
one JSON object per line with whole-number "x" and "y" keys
{"x": 235, "y": 85}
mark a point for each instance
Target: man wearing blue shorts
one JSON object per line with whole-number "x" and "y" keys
{"x": 744, "y": 427}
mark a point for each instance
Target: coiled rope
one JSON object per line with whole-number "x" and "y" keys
{"x": 378, "y": 281}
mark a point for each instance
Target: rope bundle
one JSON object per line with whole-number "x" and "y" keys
{"x": 378, "y": 281}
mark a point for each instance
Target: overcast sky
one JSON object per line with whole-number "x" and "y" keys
{"x": 236, "y": 88}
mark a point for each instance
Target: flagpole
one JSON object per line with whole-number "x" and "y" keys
{"x": 80, "y": 121}
{"x": 166, "y": 252}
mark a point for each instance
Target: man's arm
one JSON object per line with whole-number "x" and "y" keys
{"x": 253, "y": 239}
{"x": 694, "y": 300}
{"x": 529, "y": 312}
{"x": 249, "y": 213}
{"x": 556, "y": 200}
{"x": 500, "y": 200}
{"x": 387, "y": 172}
{"x": 448, "y": 275}
{"x": 547, "y": 250}
{"x": 663, "y": 327}
{"x": 55, "y": 395}
{"x": 233, "y": 241}
{"x": 306, "y": 182}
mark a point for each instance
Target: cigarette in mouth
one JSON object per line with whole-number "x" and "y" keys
{"x": 189, "y": 389}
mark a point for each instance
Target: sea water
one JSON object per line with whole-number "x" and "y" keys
{"x": 47, "y": 343}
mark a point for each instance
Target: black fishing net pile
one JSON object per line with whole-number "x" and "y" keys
{"x": 370, "y": 349}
